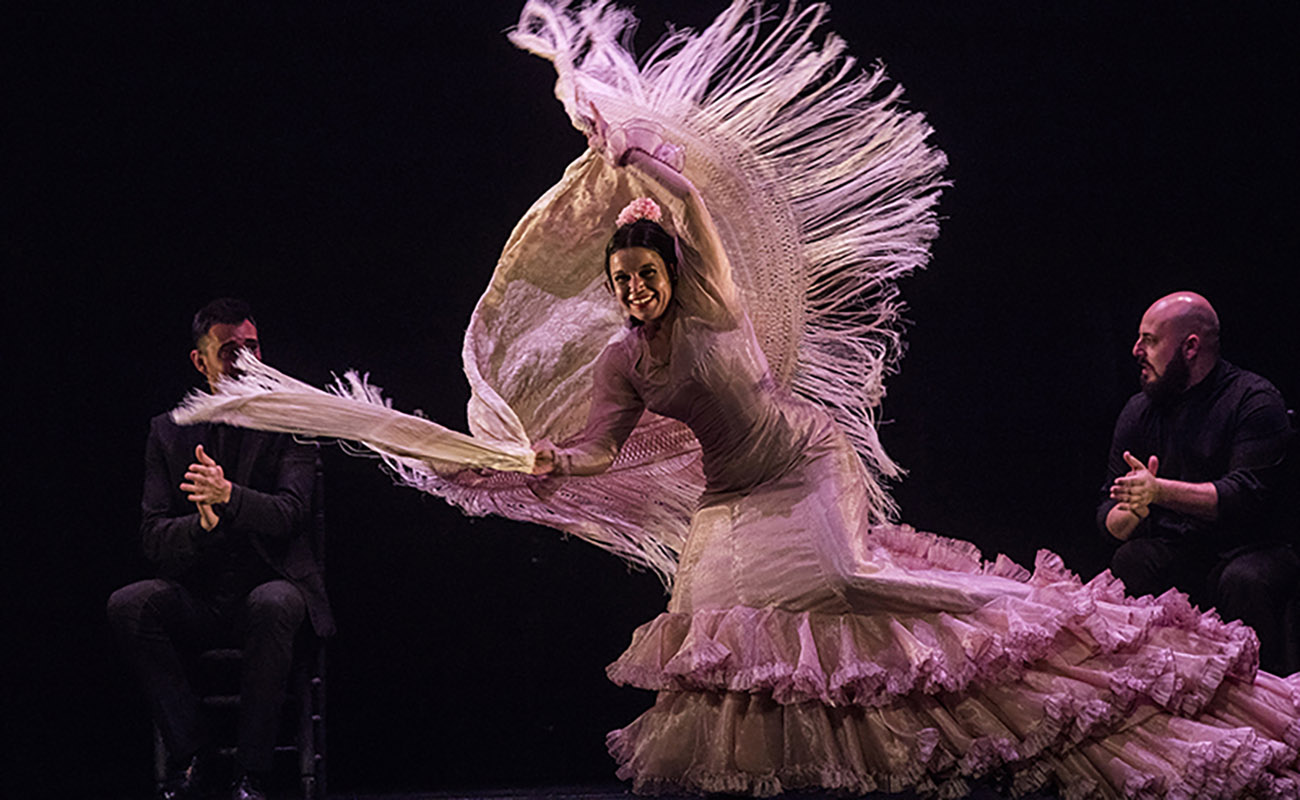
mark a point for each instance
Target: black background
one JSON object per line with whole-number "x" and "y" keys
{"x": 354, "y": 168}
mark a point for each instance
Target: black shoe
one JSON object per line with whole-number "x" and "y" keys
{"x": 183, "y": 782}
{"x": 248, "y": 787}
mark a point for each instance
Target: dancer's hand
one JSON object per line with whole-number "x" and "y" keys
{"x": 616, "y": 142}
{"x": 543, "y": 461}
{"x": 1137, "y": 490}
{"x": 542, "y": 482}
{"x": 648, "y": 137}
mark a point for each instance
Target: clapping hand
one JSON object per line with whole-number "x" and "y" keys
{"x": 205, "y": 486}
{"x": 1138, "y": 489}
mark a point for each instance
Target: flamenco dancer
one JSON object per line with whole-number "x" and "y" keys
{"x": 770, "y": 196}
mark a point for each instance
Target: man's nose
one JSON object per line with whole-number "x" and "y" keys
{"x": 1137, "y": 349}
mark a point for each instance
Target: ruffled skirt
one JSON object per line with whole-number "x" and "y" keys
{"x": 803, "y": 649}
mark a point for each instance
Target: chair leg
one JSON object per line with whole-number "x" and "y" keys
{"x": 306, "y": 742}
{"x": 308, "y": 689}
{"x": 318, "y": 725}
{"x": 159, "y": 759}
{"x": 311, "y": 728}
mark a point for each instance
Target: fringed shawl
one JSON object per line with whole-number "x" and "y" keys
{"x": 823, "y": 189}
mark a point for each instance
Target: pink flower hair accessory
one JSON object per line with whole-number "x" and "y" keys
{"x": 640, "y": 208}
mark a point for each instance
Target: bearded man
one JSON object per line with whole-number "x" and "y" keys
{"x": 1195, "y": 469}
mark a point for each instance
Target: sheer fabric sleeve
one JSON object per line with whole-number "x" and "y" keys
{"x": 616, "y": 407}
{"x": 705, "y": 284}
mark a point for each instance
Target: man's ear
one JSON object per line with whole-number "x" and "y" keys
{"x": 196, "y": 358}
{"x": 1191, "y": 345}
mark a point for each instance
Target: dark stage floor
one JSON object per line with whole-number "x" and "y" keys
{"x": 612, "y": 791}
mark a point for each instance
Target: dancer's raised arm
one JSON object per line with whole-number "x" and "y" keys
{"x": 641, "y": 145}
{"x": 699, "y": 224}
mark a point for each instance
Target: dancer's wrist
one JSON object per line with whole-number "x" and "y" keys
{"x": 619, "y": 142}
{"x": 544, "y": 461}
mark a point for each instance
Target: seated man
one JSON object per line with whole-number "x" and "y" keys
{"x": 225, "y": 521}
{"x": 1194, "y": 470}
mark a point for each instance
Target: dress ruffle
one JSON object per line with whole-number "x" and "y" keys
{"x": 936, "y": 746}
{"x": 1071, "y": 683}
{"x": 1159, "y": 648}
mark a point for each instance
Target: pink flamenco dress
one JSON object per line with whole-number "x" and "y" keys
{"x": 808, "y": 642}
{"x": 806, "y": 646}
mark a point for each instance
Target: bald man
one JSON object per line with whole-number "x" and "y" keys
{"x": 1194, "y": 470}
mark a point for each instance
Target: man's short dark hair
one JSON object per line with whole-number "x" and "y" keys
{"x": 222, "y": 311}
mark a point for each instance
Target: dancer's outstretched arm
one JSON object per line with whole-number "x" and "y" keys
{"x": 615, "y": 410}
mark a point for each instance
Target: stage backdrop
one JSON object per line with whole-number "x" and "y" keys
{"x": 354, "y": 168}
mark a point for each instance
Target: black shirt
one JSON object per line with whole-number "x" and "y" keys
{"x": 1231, "y": 429}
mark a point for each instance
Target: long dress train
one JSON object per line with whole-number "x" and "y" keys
{"x": 805, "y": 647}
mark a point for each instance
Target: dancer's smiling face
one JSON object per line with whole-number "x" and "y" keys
{"x": 641, "y": 282}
